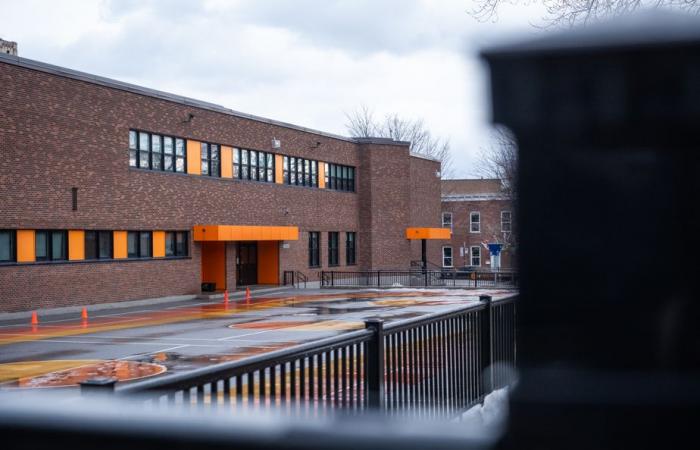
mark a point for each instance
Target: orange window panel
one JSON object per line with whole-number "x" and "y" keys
{"x": 25, "y": 246}
{"x": 226, "y": 162}
{"x": 321, "y": 175}
{"x": 279, "y": 169}
{"x": 194, "y": 157}
{"x": 159, "y": 244}
{"x": 120, "y": 250}
{"x": 76, "y": 245}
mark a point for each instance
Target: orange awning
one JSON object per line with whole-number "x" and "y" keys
{"x": 428, "y": 233}
{"x": 244, "y": 233}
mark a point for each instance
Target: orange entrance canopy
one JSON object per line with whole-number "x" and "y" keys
{"x": 244, "y": 233}
{"x": 428, "y": 233}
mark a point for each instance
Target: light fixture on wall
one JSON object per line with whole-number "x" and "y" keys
{"x": 276, "y": 143}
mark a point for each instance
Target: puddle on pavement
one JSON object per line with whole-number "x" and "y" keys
{"x": 121, "y": 370}
{"x": 177, "y": 362}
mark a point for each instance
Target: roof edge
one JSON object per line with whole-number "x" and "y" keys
{"x": 154, "y": 93}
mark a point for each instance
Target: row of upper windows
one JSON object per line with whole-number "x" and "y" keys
{"x": 169, "y": 154}
{"x": 475, "y": 221}
{"x": 52, "y": 245}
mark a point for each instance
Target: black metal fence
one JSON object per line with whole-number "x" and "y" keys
{"x": 418, "y": 278}
{"x": 432, "y": 366}
{"x": 294, "y": 278}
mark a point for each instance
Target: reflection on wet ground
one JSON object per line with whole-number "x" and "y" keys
{"x": 121, "y": 370}
{"x": 148, "y": 343}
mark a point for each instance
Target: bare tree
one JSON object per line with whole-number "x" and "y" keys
{"x": 500, "y": 161}
{"x": 362, "y": 123}
{"x": 575, "y": 12}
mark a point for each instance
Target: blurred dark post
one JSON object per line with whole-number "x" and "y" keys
{"x": 375, "y": 364}
{"x": 98, "y": 385}
{"x": 607, "y": 120}
{"x": 486, "y": 339}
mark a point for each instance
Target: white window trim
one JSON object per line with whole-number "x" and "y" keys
{"x": 451, "y": 219}
{"x": 471, "y": 255}
{"x": 471, "y": 222}
{"x": 510, "y": 221}
{"x": 452, "y": 256}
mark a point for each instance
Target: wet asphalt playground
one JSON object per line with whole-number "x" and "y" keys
{"x": 147, "y": 341}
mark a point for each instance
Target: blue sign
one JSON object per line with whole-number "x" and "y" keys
{"x": 495, "y": 249}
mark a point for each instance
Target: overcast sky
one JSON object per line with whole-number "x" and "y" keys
{"x": 300, "y": 61}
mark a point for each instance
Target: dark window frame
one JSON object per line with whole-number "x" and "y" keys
{"x": 340, "y": 177}
{"x": 314, "y": 249}
{"x": 136, "y": 151}
{"x": 333, "y": 251}
{"x": 207, "y": 155}
{"x": 98, "y": 247}
{"x": 253, "y": 170}
{"x": 49, "y": 245}
{"x": 138, "y": 253}
{"x": 298, "y": 171}
{"x": 350, "y": 250}
{"x": 13, "y": 246}
{"x": 176, "y": 251}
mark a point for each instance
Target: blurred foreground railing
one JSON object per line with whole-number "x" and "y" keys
{"x": 447, "y": 278}
{"x": 432, "y": 366}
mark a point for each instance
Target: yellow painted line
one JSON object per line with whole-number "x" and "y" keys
{"x": 28, "y": 369}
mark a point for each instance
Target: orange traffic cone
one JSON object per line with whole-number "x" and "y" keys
{"x": 84, "y": 314}
{"x": 35, "y": 319}
{"x": 247, "y": 296}
{"x": 226, "y": 298}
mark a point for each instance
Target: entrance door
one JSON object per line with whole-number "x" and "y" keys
{"x": 247, "y": 263}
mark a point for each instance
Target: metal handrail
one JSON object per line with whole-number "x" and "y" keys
{"x": 215, "y": 372}
{"x": 434, "y": 364}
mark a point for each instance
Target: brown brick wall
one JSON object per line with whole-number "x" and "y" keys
{"x": 425, "y": 212}
{"x": 490, "y": 228}
{"x": 57, "y": 133}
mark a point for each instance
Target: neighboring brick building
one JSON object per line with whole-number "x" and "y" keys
{"x": 481, "y": 216}
{"x": 111, "y": 192}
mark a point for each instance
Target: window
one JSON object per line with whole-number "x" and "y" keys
{"x": 447, "y": 220}
{"x": 476, "y": 255}
{"x": 333, "y": 248}
{"x": 300, "y": 171}
{"x": 253, "y": 165}
{"x": 145, "y": 244}
{"x": 314, "y": 259}
{"x": 350, "y": 246}
{"x": 474, "y": 222}
{"x": 156, "y": 152}
{"x": 132, "y": 244}
{"x": 144, "y": 152}
{"x": 132, "y": 148}
{"x": 138, "y": 244}
{"x": 98, "y": 245}
{"x": 7, "y": 245}
{"x": 168, "y": 154}
{"x": 51, "y": 245}
{"x": 176, "y": 243}
{"x": 180, "y": 155}
{"x": 211, "y": 165}
{"x": 340, "y": 178}
{"x": 505, "y": 221}
{"x": 447, "y": 257}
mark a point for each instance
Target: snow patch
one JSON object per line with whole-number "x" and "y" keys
{"x": 493, "y": 413}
